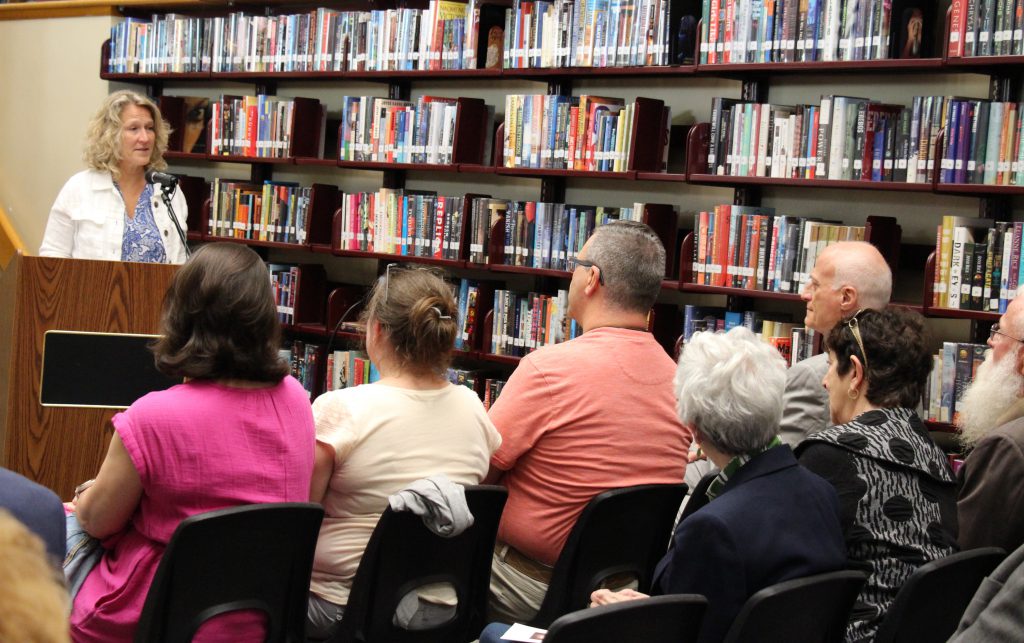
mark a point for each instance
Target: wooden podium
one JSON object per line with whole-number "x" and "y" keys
{"x": 60, "y": 447}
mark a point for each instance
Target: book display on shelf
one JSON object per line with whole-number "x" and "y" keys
{"x": 408, "y": 223}
{"x": 836, "y": 141}
{"x": 564, "y": 33}
{"x": 976, "y": 264}
{"x": 953, "y": 371}
{"x": 986, "y": 28}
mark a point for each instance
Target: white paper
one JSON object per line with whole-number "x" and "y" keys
{"x": 524, "y": 633}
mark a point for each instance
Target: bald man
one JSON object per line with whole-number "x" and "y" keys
{"x": 847, "y": 276}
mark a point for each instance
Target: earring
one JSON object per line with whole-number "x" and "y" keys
{"x": 853, "y": 393}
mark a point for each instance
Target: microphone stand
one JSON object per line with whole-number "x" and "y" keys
{"x": 341, "y": 320}
{"x": 165, "y": 194}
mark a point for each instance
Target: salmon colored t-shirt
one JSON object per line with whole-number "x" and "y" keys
{"x": 577, "y": 419}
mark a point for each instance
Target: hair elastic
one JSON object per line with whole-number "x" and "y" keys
{"x": 439, "y": 315}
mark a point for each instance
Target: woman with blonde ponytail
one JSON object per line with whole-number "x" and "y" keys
{"x": 373, "y": 440}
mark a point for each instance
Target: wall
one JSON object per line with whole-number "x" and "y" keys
{"x": 51, "y": 87}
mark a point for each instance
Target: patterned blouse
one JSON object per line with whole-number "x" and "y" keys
{"x": 897, "y": 500}
{"x": 141, "y": 241}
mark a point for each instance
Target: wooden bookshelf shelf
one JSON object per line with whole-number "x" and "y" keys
{"x": 321, "y": 248}
{"x": 155, "y": 77}
{"x": 473, "y": 168}
{"x": 185, "y": 156}
{"x": 982, "y": 63}
{"x": 628, "y": 175}
{"x": 511, "y": 360}
{"x": 446, "y": 263}
{"x": 527, "y": 270}
{"x": 956, "y": 313}
{"x": 979, "y": 189}
{"x": 888, "y": 66}
{"x": 941, "y": 427}
{"x": 661, "y": 176}
{"x": 381, "y": 166}
{"x": 738, "y": 292}
{"x": 305, "y": 160}
{"x": 888, "y": 186}
{"x": 233, "y": 158}
{"x": 547, "y": 73}
{"x": 256, "y": 243}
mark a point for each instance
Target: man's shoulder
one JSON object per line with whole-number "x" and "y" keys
{"x": 814, "y": 366}
{"x": 1008, "y": 434}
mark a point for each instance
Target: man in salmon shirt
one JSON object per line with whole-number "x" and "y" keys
{"x": 581, "y": 417}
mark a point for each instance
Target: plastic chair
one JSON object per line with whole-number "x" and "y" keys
{"x": 814, "y": 609}
{"x": 253, "y": 557}
{"x": 661, "y": 619}
{"x": 931, "y": 602}
{"x": 403, "y": 554}
{"x": 620, "y": 531}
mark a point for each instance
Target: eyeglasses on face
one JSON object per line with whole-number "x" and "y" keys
{"x": 854, "y": 325}
{"x": 571, "y": 265}
{"x": 996, "y": 331}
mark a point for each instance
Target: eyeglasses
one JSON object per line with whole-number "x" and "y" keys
{"x": 854, "y": 327}
{"x": 995, "y": 331}
{"x": 571, "y": 265}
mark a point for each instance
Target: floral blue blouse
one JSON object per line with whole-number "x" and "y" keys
{"x": 141, "y": 241}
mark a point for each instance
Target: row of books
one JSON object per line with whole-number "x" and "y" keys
{"x": 586, "y": 33}
{"x": 284, "y": 279}
{"x": 761, "y": 31}
{"x": 982, "y": 143}
{"x": 753, "y": 248}
{"x": 397, "y": 131}
{"x": 977, "y": 264}
{"x": 523, "y": 322}
{"x": 986, "y": 28}
{"x": 850, "y": 138}
{"x": 306, "y": 362}
{"x": 402, "y": 222}
{"x": 793, "y": 342}
{"x": 538, "y": 234}
{"x": 166, "y": 43}
{"x": 275, "y": 211}
{"x": 590, "y": 133}
{"x": 953, "y": 371}
{"x": 256, "y": 126}
{"x": 443, "y": 36}
{"x": 347, "y": 368}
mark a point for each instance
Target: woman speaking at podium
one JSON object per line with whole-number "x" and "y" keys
{"x": 110, "y": 211}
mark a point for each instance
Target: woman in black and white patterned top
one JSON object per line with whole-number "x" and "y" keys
{"x": 897, "y": 493}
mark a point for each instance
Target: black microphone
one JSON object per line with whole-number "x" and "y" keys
{"x": 168, "y": 181}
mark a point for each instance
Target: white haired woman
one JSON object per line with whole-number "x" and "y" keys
{"x": 769, "y": 519}
{"x": 109, "y": 211}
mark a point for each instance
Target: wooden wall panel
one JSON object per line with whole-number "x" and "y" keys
{"x": 61, "y": 447}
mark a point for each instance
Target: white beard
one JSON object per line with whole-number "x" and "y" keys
{"x": 995, "y": 389}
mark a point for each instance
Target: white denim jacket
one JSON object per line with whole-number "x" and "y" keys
{"x": 87, "y": 220}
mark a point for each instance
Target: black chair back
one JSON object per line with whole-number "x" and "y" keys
{"x": 403, "y": 554}
{"x": 253, "y": 557}
{"x": 814, "y": 609}
{"x": 661, "y": 619}
{"x": 621, "y": 531}
{"x": 931, "y": 602}
{"x": 699, "y": 496}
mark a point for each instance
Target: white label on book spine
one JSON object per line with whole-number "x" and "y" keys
{"x": 947, "y": 164}
{"x": 1004, "y": 166}
{"x": 959, "y": 165}
{"x": 976, "y": 291}
{"x": 983, "y": 36}
{"x": 888, "y": 164}
{"x": 1018, "y": 34}
{"x": 857, "y": 164}
{"x": 971, "y": 165}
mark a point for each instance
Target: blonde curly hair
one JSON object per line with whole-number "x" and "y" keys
{"x": 33, "y": 601}
{"x": 103, "y": 138}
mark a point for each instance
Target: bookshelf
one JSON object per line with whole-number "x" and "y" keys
{"x": 755, "y": 80}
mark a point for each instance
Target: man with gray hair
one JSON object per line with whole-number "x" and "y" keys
{"x": 990, "y": 501}
{"x": 572, "y": 414}
{"x": 847, "y": 276}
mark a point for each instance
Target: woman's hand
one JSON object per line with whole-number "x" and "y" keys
{"x": 607, "y": 596}
{"x": 113, "y": 497}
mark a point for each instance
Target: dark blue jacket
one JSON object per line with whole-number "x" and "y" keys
{"x": 773, "y": 521}
{"x": 37, "y": 508}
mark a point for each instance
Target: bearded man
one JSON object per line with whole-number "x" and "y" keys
{"x": 990, "y": 502}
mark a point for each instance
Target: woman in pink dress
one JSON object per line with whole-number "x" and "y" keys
{"x": 238, "y": 431}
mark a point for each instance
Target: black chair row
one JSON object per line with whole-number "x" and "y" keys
{"x": 208, "y": 569}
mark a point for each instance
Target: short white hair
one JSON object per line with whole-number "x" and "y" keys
{"x": 729, "y": 387}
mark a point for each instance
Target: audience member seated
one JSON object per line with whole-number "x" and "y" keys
{"x": 847, "y": 276}
{"x": 110, "y": 211}
{"x": 994, "y": 614}
{"x": 37, "y": 508}
{"x": 991, "y": 509}
{"x": 572, "y": 415}
{"x": 373, "y": 440}
{"x": 33, "y": 602}
{"x": 896, "y": 490}
{"x": 769, "y": 519}
{"x": 238, "y": 431}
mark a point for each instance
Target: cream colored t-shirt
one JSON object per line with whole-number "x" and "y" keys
{"x": 384, "y": 438}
